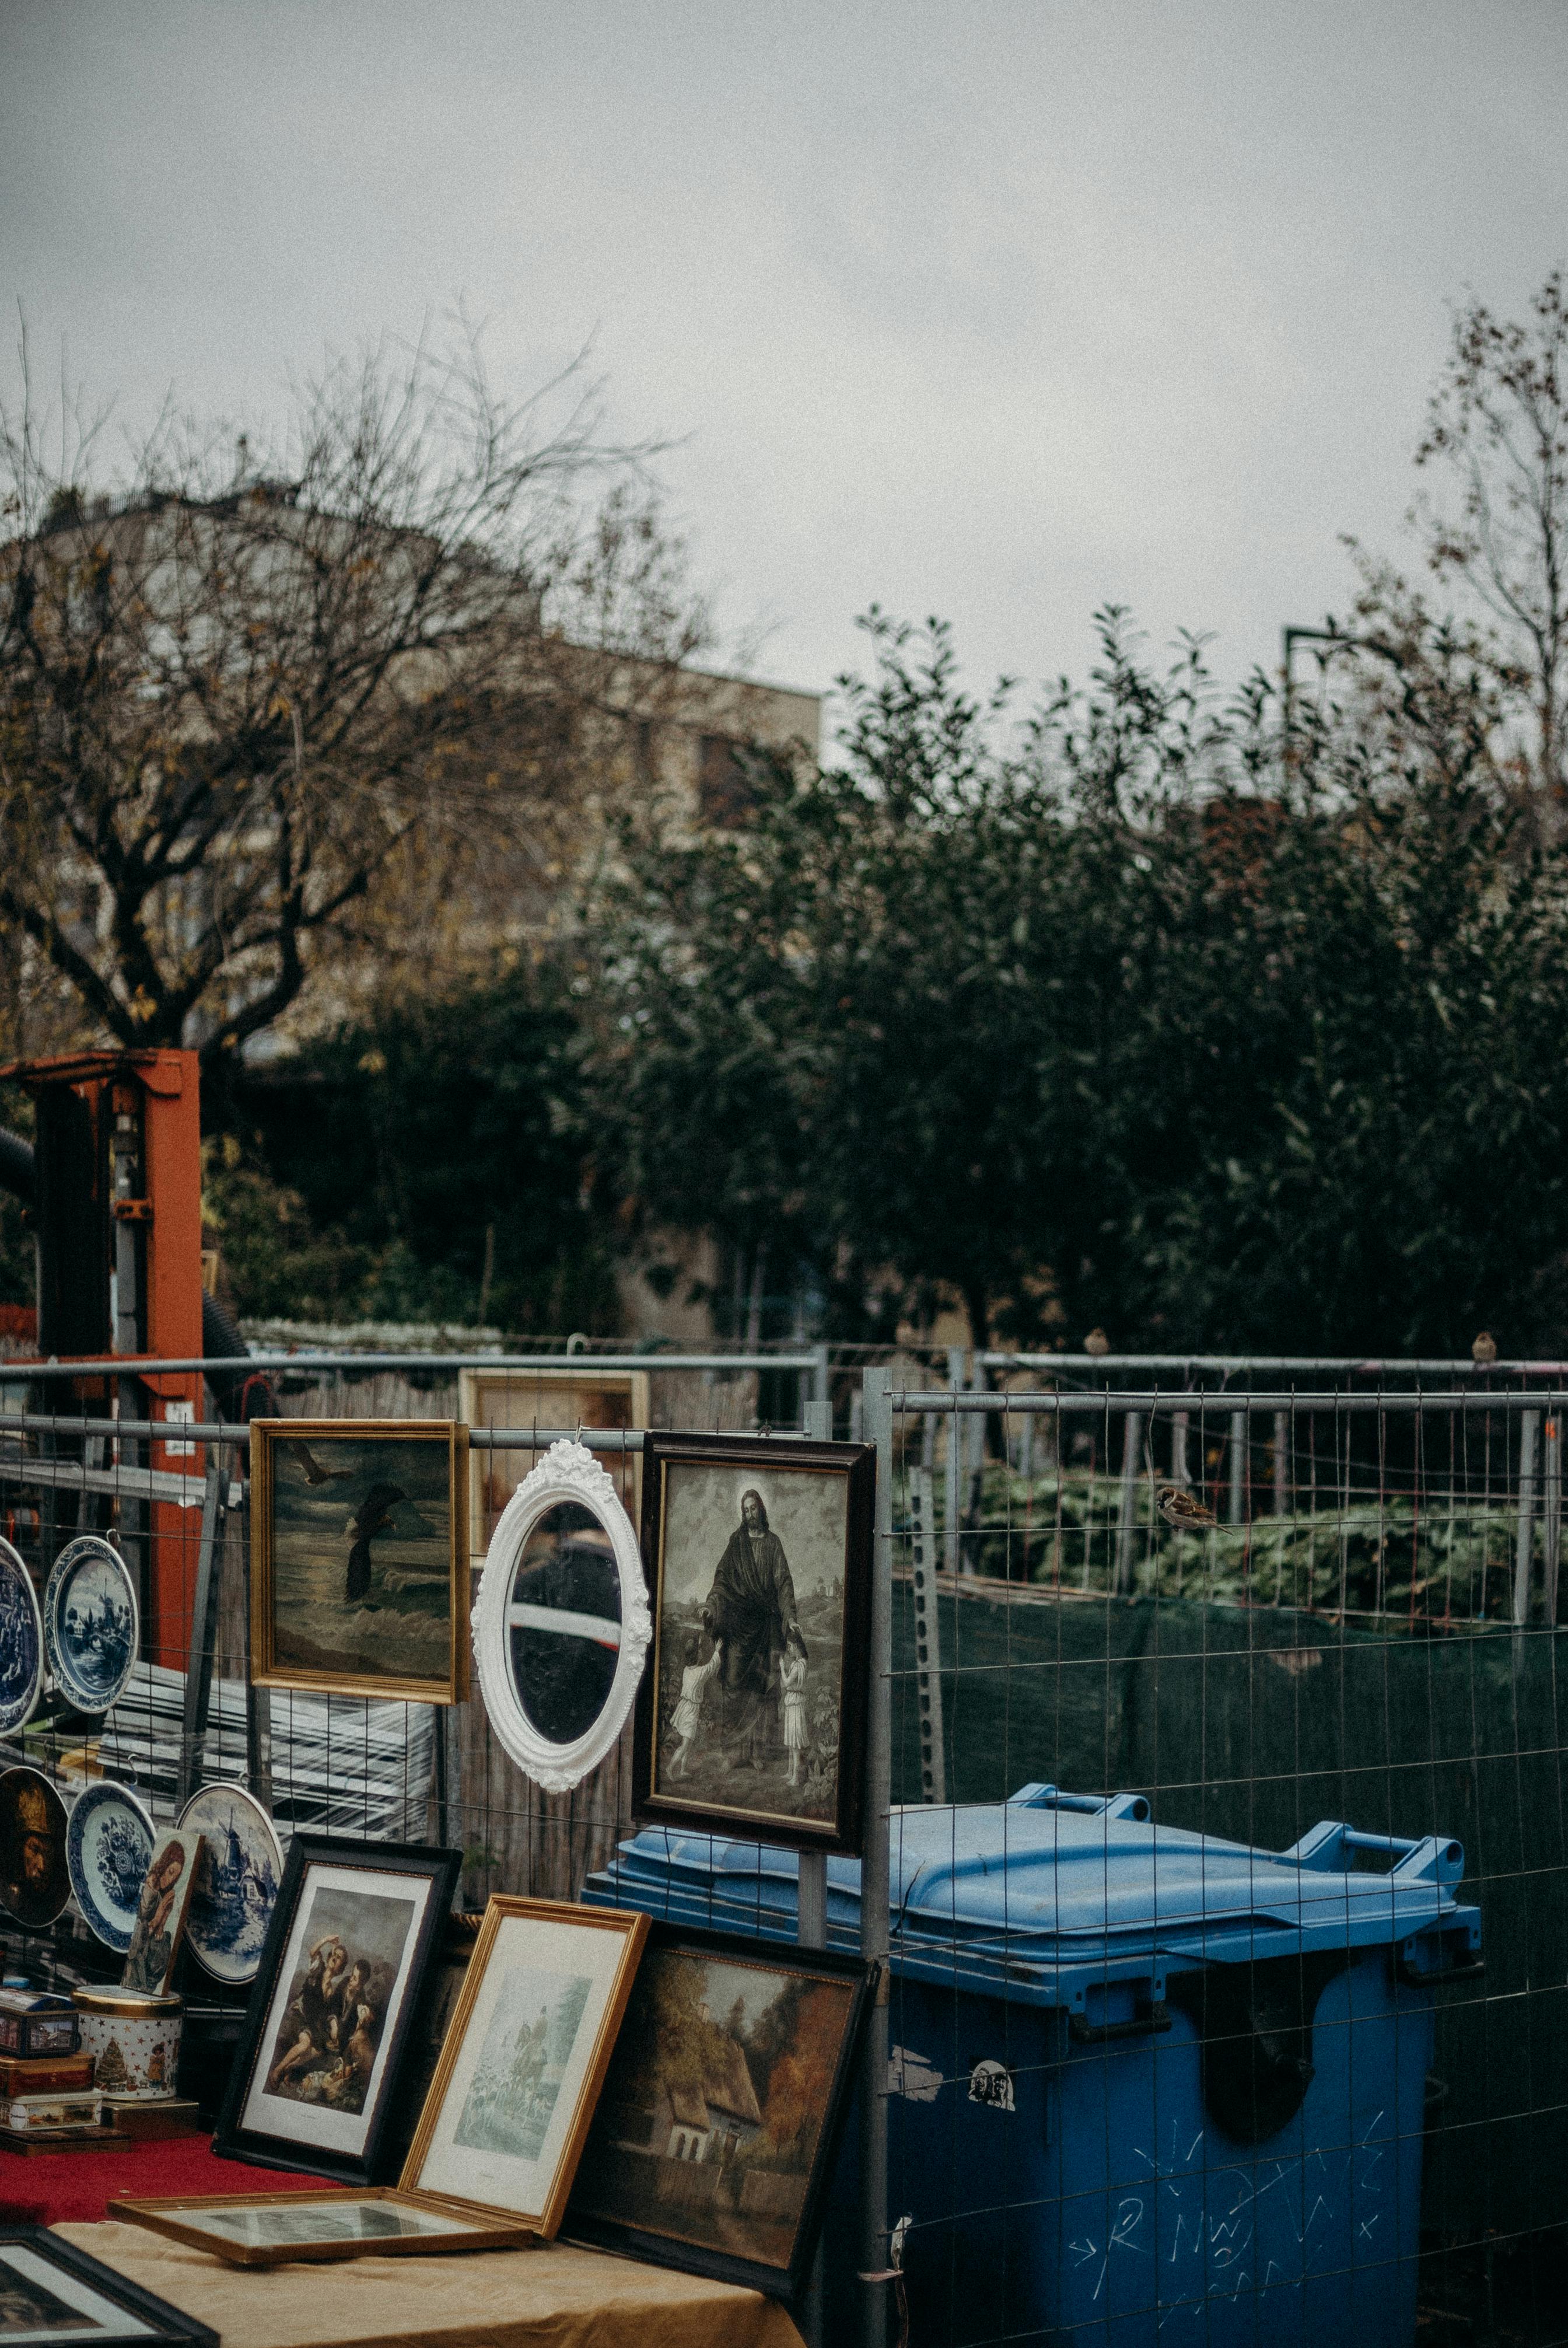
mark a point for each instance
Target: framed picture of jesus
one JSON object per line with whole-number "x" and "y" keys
{"x": 751, "y": 1716}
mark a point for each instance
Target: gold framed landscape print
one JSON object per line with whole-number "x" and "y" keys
{"x": 508, "y": 2110}
{"x": 359, "y": 1557}
{"x": 565, "y": 1398}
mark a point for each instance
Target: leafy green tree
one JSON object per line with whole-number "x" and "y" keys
{"x": 1375, "y": 1162}
{"x": 1150, "y": 1017}
{"x": 889, "y": 1028}
{"x": 434, "y": 1161}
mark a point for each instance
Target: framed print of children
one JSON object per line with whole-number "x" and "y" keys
{"x": 758, "y": 1549}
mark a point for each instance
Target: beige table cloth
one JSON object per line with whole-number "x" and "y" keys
{"x": 552, "y": 2297}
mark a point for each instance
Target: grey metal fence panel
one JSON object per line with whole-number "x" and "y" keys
{"x": 1368, "y": 1631}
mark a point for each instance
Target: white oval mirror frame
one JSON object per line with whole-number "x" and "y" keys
{"x": 568, "y": 1471}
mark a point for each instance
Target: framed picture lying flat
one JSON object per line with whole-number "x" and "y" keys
{"x": 276, "y": 2229}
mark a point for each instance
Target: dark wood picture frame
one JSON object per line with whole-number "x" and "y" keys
{"x": 656, "y": 1798}
{"x": 162, "y": 2320}
{"x": 602, "y": 2230}
{"x": 233, "y": 2140}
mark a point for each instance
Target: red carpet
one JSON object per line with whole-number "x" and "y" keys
{"x": 56, "y": 2186}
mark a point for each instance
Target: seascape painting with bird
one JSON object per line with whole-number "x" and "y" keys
{"x": 359, "y": 1533}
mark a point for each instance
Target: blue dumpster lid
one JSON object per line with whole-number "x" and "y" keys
{"x": 1050, "y": 1891}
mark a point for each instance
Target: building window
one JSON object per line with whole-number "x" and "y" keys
{"x": 726, "y": 790}
{"x": 644, "y": 764}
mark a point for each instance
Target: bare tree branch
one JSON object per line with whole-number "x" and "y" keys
{"x": 256, "y": 694}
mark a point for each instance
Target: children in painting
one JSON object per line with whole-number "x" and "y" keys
{"x": 703, "y": 1657}
{"x": 792, "y": 1688}
{"x": 326, "y": 2049}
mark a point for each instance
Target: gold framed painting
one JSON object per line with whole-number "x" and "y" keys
{"x": 359, "y": 1557}
{"x": 507, "y": 2114}
{"x": 564, "y": 1399}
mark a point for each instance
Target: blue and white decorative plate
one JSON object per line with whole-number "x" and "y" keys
{"x": 237, "y": 1880}
{"x": 92, "y": 1625}
{"x": 21, "y": 1642}
{"x": 109, "y": 1845}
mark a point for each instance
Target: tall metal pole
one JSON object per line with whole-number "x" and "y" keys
{"x": 811, "y": 1899}
{"x": 204, "y": 1619}
{"x": 1127, "y": 1507}
{"x": 1529, "y": 1424}
{"x": 956, "y": 1449}
{"x": 1551, "y": 1513}
{"x": 928, "y": 1634}
{"x": 811, "y": 1890}
{"x": 1238, "y": 1466}
{"x": 873, "y": 1871}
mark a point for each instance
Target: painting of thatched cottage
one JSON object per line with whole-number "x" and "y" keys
{"x": 710, "y": 2122}
{"x": 710, "y": 2117}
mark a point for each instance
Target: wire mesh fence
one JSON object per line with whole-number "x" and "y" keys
{"x": 1126, "y": 2084}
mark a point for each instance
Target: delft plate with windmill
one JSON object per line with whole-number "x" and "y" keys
{"x": 109, "y": 1844}
{"x": 21, "y": 1642}
{"x": 237, "y": 1880}
{"x": 92, "y": 1625}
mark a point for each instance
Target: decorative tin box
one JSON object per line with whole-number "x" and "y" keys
{"x": 37, "y": 2021}
{"x": 25, "y": 2114}
{"x": 44, "y": 2075}
{"x": 134, "y": 2040}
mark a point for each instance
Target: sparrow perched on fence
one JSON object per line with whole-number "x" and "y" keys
{"x": 1097, "y": 1342}
{"x": 1484, "y": 1349}
{"x": 1181, "y": 1510}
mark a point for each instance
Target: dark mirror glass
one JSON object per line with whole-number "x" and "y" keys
{"x": 563, "y": 1622}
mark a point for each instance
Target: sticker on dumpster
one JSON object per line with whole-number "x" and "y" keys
{"x": 991, "y": 2082}
{"x": 912, "y": 2076}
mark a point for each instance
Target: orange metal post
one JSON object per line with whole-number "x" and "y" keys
{"x": 154, "y": 1095}
{"x": 171, "y": 1142}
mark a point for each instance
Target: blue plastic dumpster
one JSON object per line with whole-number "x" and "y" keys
{"x": 1143, "y": 2085}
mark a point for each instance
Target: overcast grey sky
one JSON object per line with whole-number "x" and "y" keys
{"x": 994, "y": 310}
